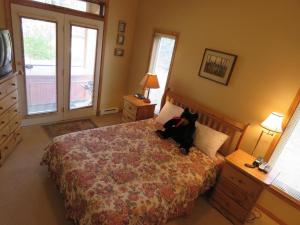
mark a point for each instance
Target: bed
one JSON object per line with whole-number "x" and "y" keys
{"x": 125, "y": 174}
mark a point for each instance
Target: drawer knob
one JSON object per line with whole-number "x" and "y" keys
{"x": 18, "y": 134}
{"x": 16, "y": 110}
{"x": 5, "y": 147}
{"x": 1, "y": 107}
{"x": 4, "y": 135}
{"x": 13, "y": 84}
{"x": 2, "y": 122}
{"x": 14, "y": 97}
{"x": 17, "y": 122}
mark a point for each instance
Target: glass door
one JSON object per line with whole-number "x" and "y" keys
{"x": 38, "y": 42}
{"x": 39, "y": 46}
{"x": 60, "y": 63}
{"x": 82, "y": 66}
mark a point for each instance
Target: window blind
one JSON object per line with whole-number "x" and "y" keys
{"x": 286, "y": 158}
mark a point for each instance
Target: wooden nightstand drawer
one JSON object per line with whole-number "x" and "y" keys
{"x": 228, "y": 207}
{"x": 242, "y": 182}
{"x": 129, "y": 107}
{"x": 136, "y": 109}
{"x": 128, "y": 117}
{"x": 239, "y": 196}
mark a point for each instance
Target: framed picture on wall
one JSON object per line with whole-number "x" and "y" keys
{"x": 217, "y": 66}
{"x": 120, "y": 39}
{"x": 119, "y": 52}
{"x": 122, "y": 26}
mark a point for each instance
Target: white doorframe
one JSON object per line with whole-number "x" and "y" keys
{"x": 63, "y": 41}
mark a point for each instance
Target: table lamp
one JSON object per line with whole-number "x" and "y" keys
{"x": 273, "y": 124}
{"x": 149, "y": 81}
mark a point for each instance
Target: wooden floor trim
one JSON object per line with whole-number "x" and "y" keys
{"x": 270, "y": 214}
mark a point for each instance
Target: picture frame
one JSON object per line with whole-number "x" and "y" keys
{"x": 217, "y": 66}
{"x": 120, "y": 39}
{"x": 119, "y": 52}
{"x": 122, "y": 26}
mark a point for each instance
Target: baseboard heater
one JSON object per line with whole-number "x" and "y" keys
{"x": 109, "y": 111}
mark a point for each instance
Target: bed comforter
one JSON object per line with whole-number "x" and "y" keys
{"x": 125, "y": 175}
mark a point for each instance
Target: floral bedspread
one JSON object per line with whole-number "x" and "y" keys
{"x": 125, "y": 175}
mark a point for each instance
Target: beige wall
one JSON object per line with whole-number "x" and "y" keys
{"x": 264, "y": 34}
{"x": 116, "y": 69}
{"x": 2, "y": 15}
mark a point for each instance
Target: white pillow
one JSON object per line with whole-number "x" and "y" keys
{"x": 208, "y": 140}
{"x": 168, "y": 112}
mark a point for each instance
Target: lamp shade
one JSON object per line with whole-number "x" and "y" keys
{"x": 150, "y": 81}
{"x": 273, "y": 122}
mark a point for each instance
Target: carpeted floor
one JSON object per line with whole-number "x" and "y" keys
{"x": 29, "y": 197}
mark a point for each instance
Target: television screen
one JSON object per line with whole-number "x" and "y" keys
{"x": 5, "y": 53}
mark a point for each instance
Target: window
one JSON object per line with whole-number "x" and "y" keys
{"x": 160, "y": 63}
{"x": 286, "y": 157}
{"x": 79, "y": 5}
{"x": 83, "y": 59}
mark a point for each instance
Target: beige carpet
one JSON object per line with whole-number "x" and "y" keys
{"x": 29, "y": 197}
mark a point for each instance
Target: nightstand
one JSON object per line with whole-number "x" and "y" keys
{"x": 136, "y": 109}
{"x": 239, "y": 187}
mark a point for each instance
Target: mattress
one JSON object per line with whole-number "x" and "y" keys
{"x": 125, "y": 174}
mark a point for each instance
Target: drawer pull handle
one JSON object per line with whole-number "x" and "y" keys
{"x": 13, "y": 84}
{"x": 1, "y": 107}
{"x": 5, "y": 147}
{"x": 18, "y": 134}
{"x": 16, "y": 110}
{"x": 14, "y": 98}
{"x": 2, "y": 122}
{"x": 4, "y": 135}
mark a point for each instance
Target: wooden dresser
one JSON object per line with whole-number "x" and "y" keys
{"x": 135, "y": 109}
{"x": 10, "y": 127}
{"x": 239, "y": 187}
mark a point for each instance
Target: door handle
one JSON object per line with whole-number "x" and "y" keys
{"x": 29, "y": 66}
{"x": 20, "y": 72}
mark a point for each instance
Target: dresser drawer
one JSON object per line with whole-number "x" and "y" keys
{"x": 8, "y": 146}
{"x": 130, "y": 108}
{"x": 242, "y": 181}
{"x": 8, "y": 86}
{"x": 14, "y": 123}
{"x": 232, "y": 191}
{"x": 4, "y": 133}
{"x": 128, "y": 117}
{"x": 228, "y": 207}
{"x": 8, "y": 115}
{"x": 9, "y": 128}
{"x": 8, "y": 101}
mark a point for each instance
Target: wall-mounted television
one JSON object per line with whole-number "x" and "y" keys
{"x": 5, "y": 53}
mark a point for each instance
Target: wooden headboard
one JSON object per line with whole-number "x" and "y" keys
{"x": 208, "y": 117}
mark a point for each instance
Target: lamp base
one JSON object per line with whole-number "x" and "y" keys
{"x": 147, "y": 100}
